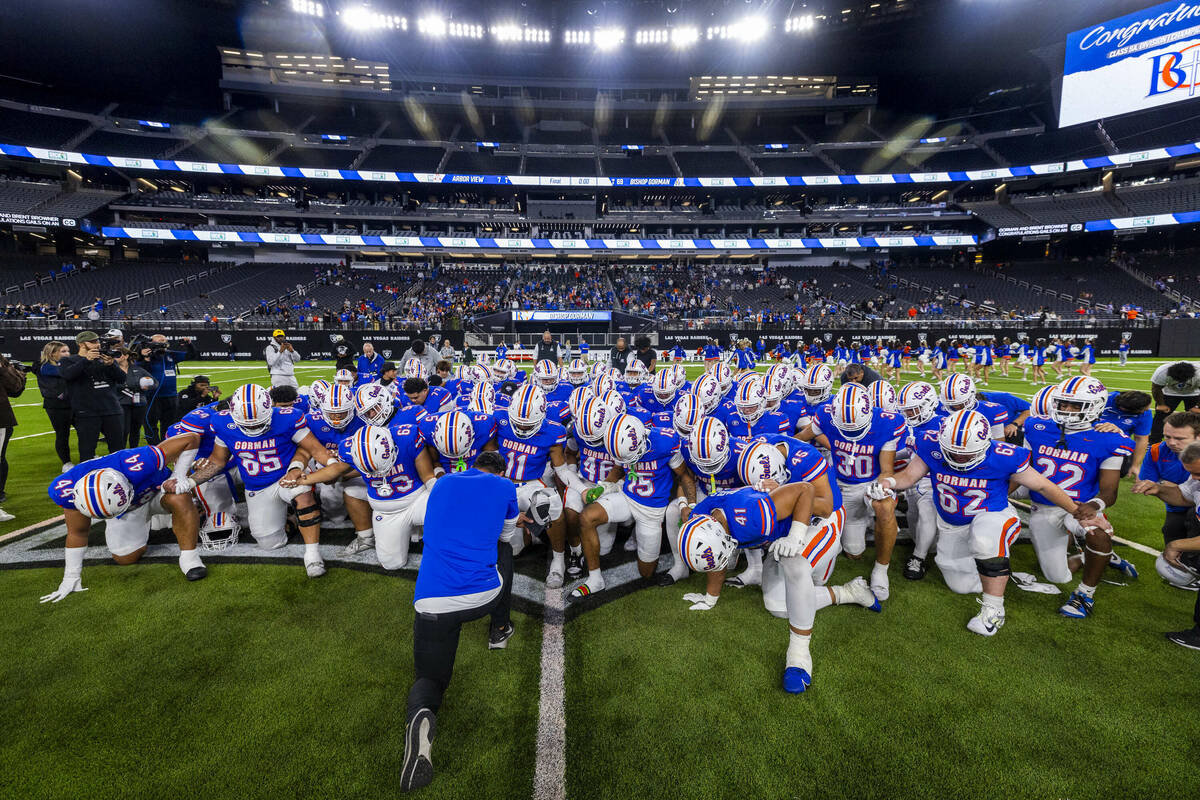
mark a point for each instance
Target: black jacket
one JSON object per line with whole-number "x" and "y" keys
{"x": 92, "y": 386}
{"x": 546, "y": 351}
{"x": 52, "y": 386}
{"x": 343, "y": 356}
{"x": 620, "y": 358}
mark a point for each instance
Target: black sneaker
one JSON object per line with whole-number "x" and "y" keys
{"x": 915, "y": 569}
{"x": 1189, "y": 638}
{"x": 574, "y": 566}
{"x": 498, "y": 637}
{"x": 418, "y": 742}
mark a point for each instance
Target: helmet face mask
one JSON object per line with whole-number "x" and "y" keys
{"x": 545, "y": 374}
{"x": 687, "y": 415}
{"x": 759, "y": 462}
{"x": 664, "y": 386}
{"x": 1077, "y": 403}
{"x": 635, "y": 373}
{"x": 374, "y": 405}
{"x": 851, "y": 411}
{"x": 626, "y": 439}
{"x": 220, "y": 532}
{"x": 958, "y": 393}
{"x": 337, "y": 407}
{"x": 577, "y": 372}
{"x": 344, "y": 377}
{"x": 709, "y": 445}
{"x": 817, "y": 384}
{"x": 373, "y": 451}
{"x": 918, "y": 403}
{"x": 527, "y": 411}
{"x": 750, "y": 402}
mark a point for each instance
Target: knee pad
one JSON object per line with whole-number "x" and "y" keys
{"x": 993, "y": 567}
{"x": 1181, "y": 578}
{"x": 309, "y": 516}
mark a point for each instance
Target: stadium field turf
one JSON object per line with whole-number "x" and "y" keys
{"x": 257, "y": 682}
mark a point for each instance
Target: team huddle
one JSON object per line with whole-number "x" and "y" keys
{"x": 781, "y": 467}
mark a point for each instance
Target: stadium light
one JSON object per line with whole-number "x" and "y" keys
{"x": 749, "y": 29}
{"x": 361, "y": 18}
{"x": 684, "y": 36}
{"x": 511, "y": 32}
{"x": 309, "y": 8}
{"x": 800, "y": 24}
{"x": 464, "y": 30}
{"x": 432, "y": 25}
{"x": 577, "y": 36}
{"x": 609, "y": 38}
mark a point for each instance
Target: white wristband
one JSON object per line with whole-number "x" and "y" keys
{"x": 1097, "y": 501}
{"x": 295, "y": 465}
{"x": 429, "y": 483}
{"x": 438, "y": 472}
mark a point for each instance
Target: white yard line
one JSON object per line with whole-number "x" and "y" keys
{"x": 1141, "y": 548}
{"x": 31, "y": 435}
{"x": 550, "y": 768}
{"x": 26, "y": 529}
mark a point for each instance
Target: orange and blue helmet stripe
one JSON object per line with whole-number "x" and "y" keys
{"x": 1072, "y": 384}
{"x": 961, "y": 424}
{"x": 92, "y": 498}
{"x": 361, "y": 449}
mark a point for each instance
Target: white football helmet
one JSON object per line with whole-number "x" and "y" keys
{"x": 708, "y": 392}
{"x": 102, "y": 494}
{"x": 503, "y": 370}
{"x": 626, "y": 439}
{"x": 579, "y": 395}
{"x": 599, "y": 368}
{"x": 710, "y": 445}
{"x": 344, "y": 376}
{"x": 220, "y": 532}
{"x": 687, "y": 415}
{"x": 414, "y": 368}
{"x": 337, "y": 409}
{"x": 1077, "y": 403}
{"x": 817, "y": 384}
{"x": 545, "y": 375}
{"x": 603, "y": 383}
{"x": 918, "y": 402}
{"x": 480, "y": 374}
{"x": 593, "y": 420}
{"x": 577, "y": 372}
{"x": 761, "y": 461}
{"x": 613, "y": 399}
{"x": 318, "y": 390}
{"x": 461, "y": 373}
{"x": 374, "y": 404}
{"x": 883, "y": 395}
{"x": 705, "y": 545}
{"x": 958, "y": 393}
{"x": 750, "y": 401}
{"x": 1039, "y": 404}
{"x": 964, "y": 439}
{"x": 453, "y": 435}
{"x": 527, "y": 411}
{"x": 563, "y": 377}
{"x": 482, "y": 399}
{"x": 635, "y": 372}
{"x": 663, "y": 385}
{"x": 851, "y": 411}
{"x": 250, "y": 409}
{"x": 724, "y": 376}
{"x": 777, "y": 385}
{"x": 680, "y": 374}
{"x": 373, "y": 451}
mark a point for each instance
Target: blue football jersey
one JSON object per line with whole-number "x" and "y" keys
{"x": 402, "y": 479}
{"x": 770, "y": 422}
{"x": 1073, "y": 462}
{"x": 727, "y": 477}
{"x": 484, "y": 427}
{"x": 857, "y": 460}
{"x": 145, "y": 467}
{"x": 302, "y": 404}
{"x": 594, "y": 461}
{"x": 437, "y": 400}
{"x": 262, "y": 460}
{"x": 1130, "y": 424}
{"x": 960, "y": 495}
{"x": 196, "y": 421}
{"x": 805, "y": 463}
{"x": 1162, "y": 464}
{"x": 328, "y": 435}
{"x": 652, "y": 404}
{"x": 559, "y": 411}
{"x": 655, "y": 470}
{"x": 561, "y": 393}
{"x": 1014, "y": 404}
{"x": 749, "y": 514}
{"x": 526, "y": 459}
{"x": 796, "y": 409}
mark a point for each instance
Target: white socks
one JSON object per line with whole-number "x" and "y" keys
{"x": 368, "y": 534}
{"x": 879, "y": 581}
{"x": 1084, "y": 589}
{"x": 754, "y": 560}
{"x": 595, "y": 581}
{"x": 189, "y": 559}
{"x": 825, "y": 596}
{"x": 797, "y": 652}
{"x": 576, "y": 550}
{"x": 558, "y": 562}
{"x": 74, "y": 562}
{"x": 994, "y": 602}
{"x": 312, "y": 553}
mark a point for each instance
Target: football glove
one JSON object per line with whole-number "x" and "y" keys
{"x": 790, "y": 545}
{"x": 882, "y": 489}
{"x": 184, "y": 485}
{"x": 593, "y": 494}
{"x": 68, "y": 585}
{"x": 610, "y": 487}
{"x": 700, "y": 602}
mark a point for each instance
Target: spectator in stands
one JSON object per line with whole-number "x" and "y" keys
{"x": 546, "y": 350}
{"x": 199, "y": 392}
{"x": 55, "y": 401}
{"x": 93, "y": 380}
{"x": 619, "y": 356}
{"x": 139, "y": 386}
{"x": 281, "y": 360}
{"x": 1173, "y": 385}
{"x": 160, "y": 361}
{"x": 12, "y": 384}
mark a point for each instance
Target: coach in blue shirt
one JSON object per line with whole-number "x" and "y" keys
{"x": 465, "y": 573}
{"x": 368, "y": 365}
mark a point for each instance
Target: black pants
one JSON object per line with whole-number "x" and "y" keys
{"x": 60, "y": 421}
{"x": 161, "y": 414}
{"x": 435, "y": 639}
{"x": 135, "y": 418}
{"x": 1172, "y": 402}
{"x": 90, "y": 428}
{"x": 5, "y": 436}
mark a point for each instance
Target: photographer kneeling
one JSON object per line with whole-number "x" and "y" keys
{"x": 93, "y": 382}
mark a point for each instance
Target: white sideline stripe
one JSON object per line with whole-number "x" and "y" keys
{"x": 550, "y": 769}
{"x": 1141, "y": 548}
{"x": 26, "y": 529}
{"x": 30, "y": 436}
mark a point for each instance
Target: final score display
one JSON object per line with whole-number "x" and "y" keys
{"x": 1142, "y": 60}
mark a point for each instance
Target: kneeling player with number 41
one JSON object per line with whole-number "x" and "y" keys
{"x": 970, "y": 473}
{"x": 122, "y": 489}
{"x": 800, "y": 532}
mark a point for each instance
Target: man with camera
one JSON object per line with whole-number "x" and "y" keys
{"x": 281, "y": 360}
{"x": 200, "y": 392}
{"x": 93, "y": 382}
{"x": 154, "y": 355}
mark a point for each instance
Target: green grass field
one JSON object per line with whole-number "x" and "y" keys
{"x": 259, "y": 683}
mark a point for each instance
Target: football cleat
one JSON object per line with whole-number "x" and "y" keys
{"x": 858, "y": 591}
{"x": 555, "y": 577}
{"x": 1189, "y": 638}
{"x": 498, "y": 637}
{"x": 987, "y": 621}
{"x": 1123, "y": 566}
{"x": 1078, "y": 606}
{"x": 315, "y": 569}
{"x": 361, "y": 544}
{"x": 196, "y": 573}
{"x": 574, "y": 567}
{"x": 915, "y": 568}
{"x": 417, "y": 770}
{"x": 796, "y": 680}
